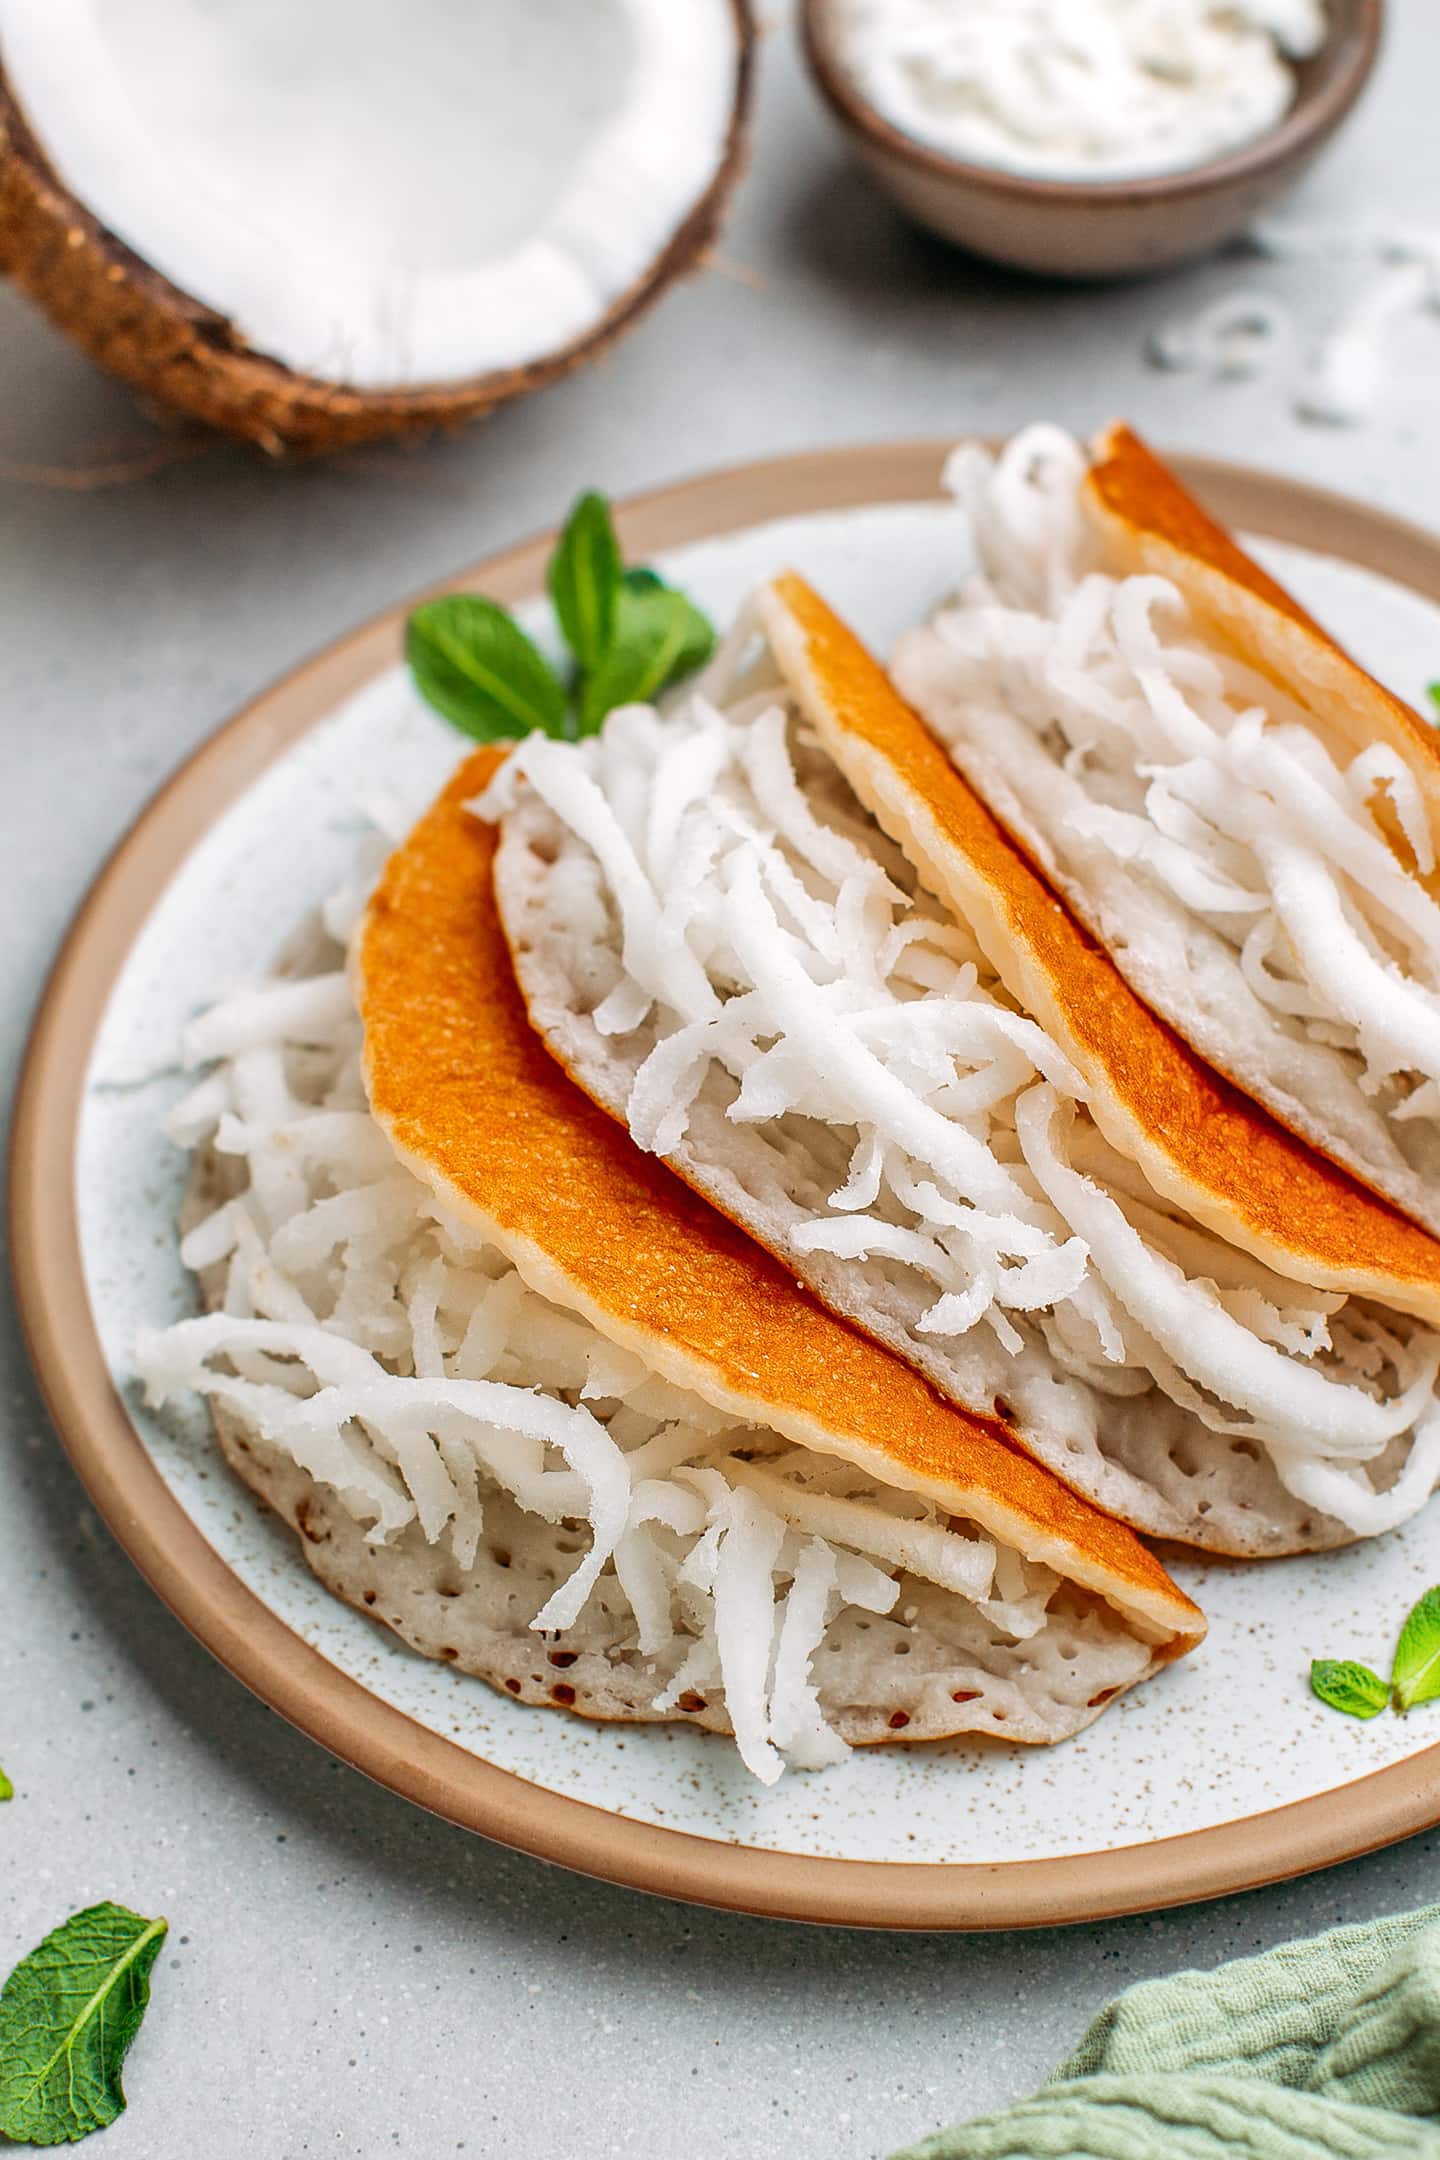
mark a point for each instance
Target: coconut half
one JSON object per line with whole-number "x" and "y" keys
{"x": 318, "y": 226}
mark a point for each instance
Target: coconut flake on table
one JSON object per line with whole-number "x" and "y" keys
{"x": 1231, "y": 338}
{"x": 1082, "y": 89}
{"x": 1341, "y": 381}
{"x": 385, "y": 195}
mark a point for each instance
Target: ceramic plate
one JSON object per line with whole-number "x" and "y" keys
{"x": 1217, "y": 1775}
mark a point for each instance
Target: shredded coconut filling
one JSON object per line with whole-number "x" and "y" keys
{"x": 1170, "y": 756}
{"x": 368, "y": 1339}
{"x": 767, "y": 929}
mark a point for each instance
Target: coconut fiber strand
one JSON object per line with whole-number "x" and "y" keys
{"x": 1320, "y": 2050}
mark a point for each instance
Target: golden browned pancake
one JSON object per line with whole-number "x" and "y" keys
{"x": 472, "y": 1101}
{"x": 1200, "y": 1141}
{"x": 1150, "y": 522}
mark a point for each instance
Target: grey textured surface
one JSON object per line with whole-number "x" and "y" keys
{"x": 345, "y": 1976}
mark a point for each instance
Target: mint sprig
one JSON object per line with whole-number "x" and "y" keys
{"x": 7, "y": 1790}
{"x": 1347, "y": 1686}
{"x": 473, "y": 663}
{"x": 68, "y": 2014}
{"x": 585, "y": 580}
{"x": 1414, "y": 1672}
{"x": 630, "y": 637}
{"x": 1433, "y": 693}
{"x": 1415, "y": 1676}
{"x": 659, "y": 636}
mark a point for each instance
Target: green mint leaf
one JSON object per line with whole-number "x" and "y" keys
{"x": 585, "y": 577}
{"x": 1434, "y": 695}
{"x": 1348, "y": 1687}
{"x": 660, "y": 635}
{"x": 1415, "y": 1675}
{"x": 7, "y": 1790}
{"x": 642, "y": 580}
{"x": 471, "y": 660}
{"x": 68, "y": 2014}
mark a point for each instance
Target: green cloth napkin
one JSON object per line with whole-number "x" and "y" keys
{"x": 1321, "y": 2050}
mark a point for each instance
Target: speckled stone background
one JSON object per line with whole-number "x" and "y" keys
{"x": 343, "y": 1975}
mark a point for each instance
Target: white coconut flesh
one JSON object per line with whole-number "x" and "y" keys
{"x": 508, "y": 1489}
{"x": 378, "y": 195}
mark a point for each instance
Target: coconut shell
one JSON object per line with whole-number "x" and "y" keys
{"x": 135, "y": 324}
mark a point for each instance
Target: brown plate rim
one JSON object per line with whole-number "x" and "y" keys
{"x": 260, "y": 1649}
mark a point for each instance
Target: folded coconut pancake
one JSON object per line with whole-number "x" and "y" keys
{"x": 949, "y": 1115}
{"x": 541, "y": 1410}
{"x": 1244, "y": 818}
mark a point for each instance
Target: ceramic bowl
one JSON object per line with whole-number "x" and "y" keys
{"x": 1100, "y": 228}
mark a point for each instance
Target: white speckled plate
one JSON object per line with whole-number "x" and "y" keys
{"x": 1219, "y": 1774}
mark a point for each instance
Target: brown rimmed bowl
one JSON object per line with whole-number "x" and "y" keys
{"x": 1100, "y": 228}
